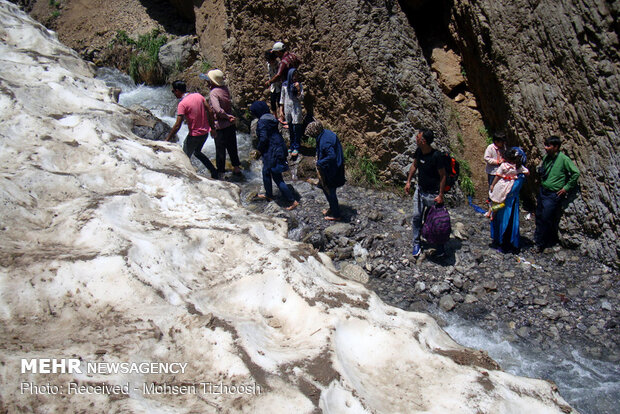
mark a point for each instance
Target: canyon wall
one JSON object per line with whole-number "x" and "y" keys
{"x": 536, "y": 68}
{"x": 363, "y": 70}
{"x": 541, "y": 68}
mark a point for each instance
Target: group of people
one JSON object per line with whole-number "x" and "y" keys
{"x": 506, "y": 172}
{"x": 203, "y": 117}
{"x": 286, "y": 92}
{"x": 505, "y": 167}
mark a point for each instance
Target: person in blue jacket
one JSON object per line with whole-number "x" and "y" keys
{"x": 330, "y": 166}
{"x": 273, "y": 150}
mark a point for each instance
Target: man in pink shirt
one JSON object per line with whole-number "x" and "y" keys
{"x": 197, "y": 113}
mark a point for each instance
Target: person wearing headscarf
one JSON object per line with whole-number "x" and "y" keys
{"x": 272, "y": 149}
{"x": 330, "y": 166}
{"x": 290, "y": 99}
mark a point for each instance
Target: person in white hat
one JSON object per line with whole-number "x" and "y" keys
{"x": 225, "y": 130}
{"x": 288, "y": 60}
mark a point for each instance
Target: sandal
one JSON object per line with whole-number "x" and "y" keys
{"x": 293, "y": 206}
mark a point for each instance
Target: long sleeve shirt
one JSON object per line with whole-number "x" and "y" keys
{"x": 219, "y": 98}
{"x": 560, "y": 173}
{"x": 493, "y": 156}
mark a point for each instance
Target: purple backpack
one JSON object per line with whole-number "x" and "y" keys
{"x": 436, "y": 229}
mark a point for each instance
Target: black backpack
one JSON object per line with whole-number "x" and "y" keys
{"x": 453, "y": 170}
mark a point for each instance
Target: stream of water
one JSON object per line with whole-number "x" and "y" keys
{"x": 590, "y": 386}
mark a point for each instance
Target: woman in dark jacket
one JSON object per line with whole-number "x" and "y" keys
{"x": 273, "y": 150}
{"x": 330, "y": 166}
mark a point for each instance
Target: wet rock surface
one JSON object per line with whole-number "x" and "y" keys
{"x": 555, "y": 299}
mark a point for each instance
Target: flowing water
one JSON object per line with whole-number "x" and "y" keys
{"x": 590, "y": 386}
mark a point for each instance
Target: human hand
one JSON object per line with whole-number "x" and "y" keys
{"x": 407, "y": 187}
{"x": 561, "y": 193}
{"x": 439, "y": 199}
{"x": 232, "y": 118}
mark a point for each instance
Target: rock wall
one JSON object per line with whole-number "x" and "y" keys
{"x": 542, "y": 68}
{"x": 363, "y": 70}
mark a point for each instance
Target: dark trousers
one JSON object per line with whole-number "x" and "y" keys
{"x": 268, "y": 175}
{"x": 332, "y": 199}
{"x": 548, "y": 207}
{"x": 226, "y": 140}
{"x": 275, "y": 100}
{"x": 296, "y": 131}
{"x": 193, "y": 146}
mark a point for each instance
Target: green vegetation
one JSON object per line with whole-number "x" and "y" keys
{"x": 54, "y": 3}
{"x": 362, "y": 170}
{"x": 404, "y": 103}
{"x": 56, "y": 6}
{"x": 311, "y": 142}
{"x": 467, "y": 186}
{"x": 463, "y": 71}
{"x": 465, "y": 182}
{"x": 144, "y": 63}
{"x": 484, "y": 132}
{"x": 205, "y": 66}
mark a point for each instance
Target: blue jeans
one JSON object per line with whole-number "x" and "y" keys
{"x": 332, "y": 199}
{"x": 193, "y": 145}
{"x": 548, "y": 207}
{"x": 268, "y": 175}
{"x": 295, "y": 131}
{"x": 421, "y": 202}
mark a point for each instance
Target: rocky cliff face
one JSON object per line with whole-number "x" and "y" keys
{"x": 542, "y": 68}
{"x": 363, "y": 70}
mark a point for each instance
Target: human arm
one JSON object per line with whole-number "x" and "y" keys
{"x": 278, "y": 75}
{"x": 209, "y": 111}
{"x": 573, "y": 173}
{"x": 412, "y": 170}
{"x": 175, "y": 127}
{"x": 263, "y": 138}
{"x": 492, "y": 156}
{"x": 218, "y": 112}
{"x": 442, "y": 185}
{"x": 495, "y": 181}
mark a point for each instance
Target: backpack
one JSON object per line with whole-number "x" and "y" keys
{"x": 437, "y": 228}
{"x": 453, "y": 170}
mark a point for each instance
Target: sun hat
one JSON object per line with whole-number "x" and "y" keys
{"x": 277, "y": 46}
{"x": 216, "y": 76}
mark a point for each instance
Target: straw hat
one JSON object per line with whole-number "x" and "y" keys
{"x": 216, "y": 76}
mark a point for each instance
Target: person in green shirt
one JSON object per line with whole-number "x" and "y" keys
{"x": 558, "y": 176}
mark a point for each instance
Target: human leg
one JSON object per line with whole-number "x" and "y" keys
{"x": 267, "y": 182}
{"x": 193, "y": 146}
{"x": 279, "y": 180}
{"x": 547, "y": 204}
{"x": 230, "y": 140}
{"x": 332, "y": 199}
{"x": 296, "y": 133}
{"x": 220, "y": 151}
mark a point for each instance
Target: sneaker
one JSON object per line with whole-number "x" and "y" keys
{"x": 416, "y": 250}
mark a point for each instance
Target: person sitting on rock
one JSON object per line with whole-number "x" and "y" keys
{"x": 330, "y": 166}
{"x": 195, "y": 110}
{"x": 272, "y": 149}
{"x": 431, "y": 185}
{"x": 290, "y": 100}
{"x": 558, "y": 176}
